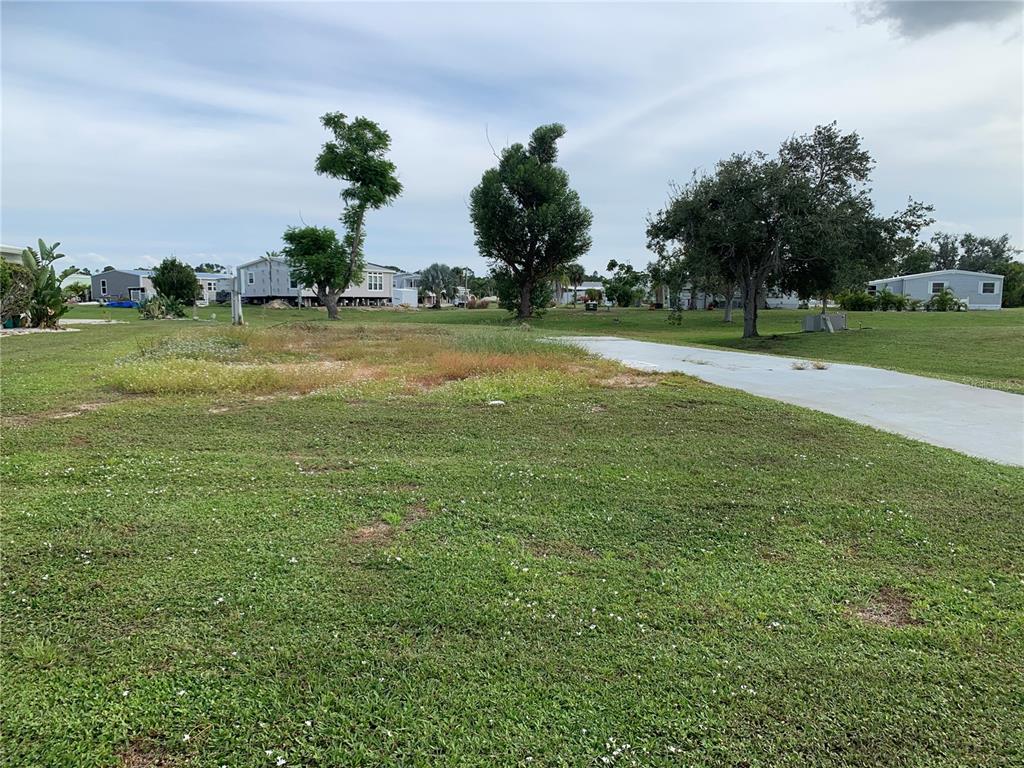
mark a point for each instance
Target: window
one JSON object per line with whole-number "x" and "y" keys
{"x": 209, "y": 287}
{"x": 375, "y": 281}
{"x": 937, "y": 287}
{"x": 872, "y": 289}
{"x": 103, "y": 287}
{"x": 250, "y": 277}
{"x": 988, "y": 287}
{"x": 293, "y": 283}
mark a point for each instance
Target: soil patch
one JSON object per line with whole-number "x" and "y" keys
{"x": 630, "y": 381}
{"x": 887, "y": 608}
{"x": 380, "y": 532}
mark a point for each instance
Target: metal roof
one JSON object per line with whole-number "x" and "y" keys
{"x": 935, "y": 272}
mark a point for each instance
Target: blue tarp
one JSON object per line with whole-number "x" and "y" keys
{"x": 125, "y": 304}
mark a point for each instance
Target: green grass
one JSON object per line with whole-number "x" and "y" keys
{"x": 662, "y": 575}
{"x": 980, "y": 348}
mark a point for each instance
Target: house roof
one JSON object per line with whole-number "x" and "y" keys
{"x": 212, "y": 276}
{"x": 935, "y": 272}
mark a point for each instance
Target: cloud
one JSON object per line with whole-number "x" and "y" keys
{"x": 133, "y": 131}
{"x": 920, "y": 18}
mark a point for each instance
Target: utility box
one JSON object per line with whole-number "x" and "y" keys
{"x": 590, "y": 306}
{"x": 830, "y": 323}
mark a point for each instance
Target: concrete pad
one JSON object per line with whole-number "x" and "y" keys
{"x": 979, "y": 422}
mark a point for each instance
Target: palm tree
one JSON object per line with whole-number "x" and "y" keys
{"x": 439, "y": 280}
{"x": 576, "y": 275}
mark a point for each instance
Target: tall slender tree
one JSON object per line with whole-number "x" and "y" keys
{"x": 528, "y": 221}
{"x": 357, "y": 154}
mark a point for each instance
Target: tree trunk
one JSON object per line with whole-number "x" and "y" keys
{"x": 730, "y": 292}
{"x": 525, "y": 310}
{"x": 330, "y": 300}
{"x": 750, "y": 297}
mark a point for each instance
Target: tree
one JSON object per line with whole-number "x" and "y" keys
{"x": 945, "y": 250}
{"x": 626, "y": 286}
{"x": 793, "y": 220}
{"x": 1013, "y": 285}
{"x": 317, "y": 259}
{"x": 357, "y": 155}
{"x": 109, "y": 268}
{"x": 209, "y": 266}
{"x": 986, "y": 254}
{"x": 440, "y": 280}
{"x": 527, "y": 220}
{"x": 176, "y": 280}
{"x": 46, "y": 303}
{"x": 482, "y": 286}
{"x": 576, "y": 275}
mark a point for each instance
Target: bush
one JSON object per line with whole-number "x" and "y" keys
{"x": 15, "y": 290}
{"x": 856, "y": 301}
{"x": 175, "y": 280}
{"x": 946, "y": 301}
{"x": 887, "y": 300}
{"x": 160, "y": 307}
{"x": 914, "y": 304}
{"x": 477, "y": 304}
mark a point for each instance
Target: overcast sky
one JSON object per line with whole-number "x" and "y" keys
{"x": 133, "y": 131}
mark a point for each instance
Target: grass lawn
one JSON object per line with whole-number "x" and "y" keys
{"x": 317, "y": 545}
{"x": 980, "y": 348}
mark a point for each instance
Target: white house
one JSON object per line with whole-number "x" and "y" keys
{"x": 981, "y": 290}
{"x": 11, "y": 253}
{"x": 270, "y": 278}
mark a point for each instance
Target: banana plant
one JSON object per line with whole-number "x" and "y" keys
{"x": 47, "y": 304}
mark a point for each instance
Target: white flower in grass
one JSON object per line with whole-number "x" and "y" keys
{"x": 186, "y": 737}
{"x": 293, "y": 560}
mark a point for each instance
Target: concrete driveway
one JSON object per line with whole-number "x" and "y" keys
{"x": 972, "y": 420}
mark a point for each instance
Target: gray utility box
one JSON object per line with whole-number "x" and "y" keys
{"x": 830, "y": 323}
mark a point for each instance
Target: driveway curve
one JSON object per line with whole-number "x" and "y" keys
{"x": 979, "y": 422}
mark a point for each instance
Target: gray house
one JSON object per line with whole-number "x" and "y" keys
{"x": 123, "y": 285}
{"x": 270, "y": 278}
{"x": 137, "y": 285}
{"x": 981, "y": 290}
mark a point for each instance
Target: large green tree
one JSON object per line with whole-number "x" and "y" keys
{"x": 797, "y": 219}
{"x": 317, "y": 259}
{"x": 529, "y": 223}
{"x": 357, "y": 154}
{"x": 176, "y": 280}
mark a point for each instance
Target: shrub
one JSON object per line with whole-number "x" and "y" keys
{"x": 856, "y": 301}
{"x": 946, "y": 301}
{"x": 477, "y": 304}
{"x": 887, "y": 300}
{"x": 15, "y": 290}
{"x": 160, "y": 307}
{"x": 914, "y": 304}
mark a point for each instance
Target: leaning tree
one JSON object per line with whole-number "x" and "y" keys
{"x": 357, "y": 155}
{"x": 529, "y": 223}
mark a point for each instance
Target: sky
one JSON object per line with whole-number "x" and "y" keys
{"x": 136, "y": 131}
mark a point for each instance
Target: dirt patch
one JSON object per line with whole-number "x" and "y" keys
{"x": 380, "y": 532}
{"x": 567, "y": 550}
{"x": 630, "y": 381}
{"x": 313, "y": 466}
{"x": 144, "y": 755}
{"x": 598, "y": 409}
{"x": 887, "y": 608}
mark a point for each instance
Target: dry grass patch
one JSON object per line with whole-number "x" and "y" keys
{"x": 887, "y": 608}
{"x": 630, "y": 381}
{"x": 381, "y": 532}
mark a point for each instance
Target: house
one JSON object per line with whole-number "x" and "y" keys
{"x": 270, "y": 278}
{"x": 981, "y": 290}
{"x": 579, "y": 291}
{"x": 137, "y": 285}
{"x": 11, "y": 254}
{"x": 123, "y": 285}
{"x": 81, "y": 282}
